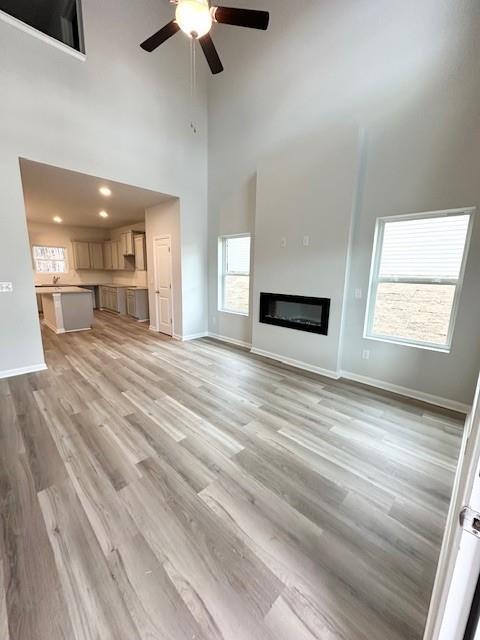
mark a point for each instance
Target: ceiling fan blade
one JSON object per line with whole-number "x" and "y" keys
{"x": 250, "y": 18}
{"x": 161, "y": 36}
{"x": 211, "y": 54}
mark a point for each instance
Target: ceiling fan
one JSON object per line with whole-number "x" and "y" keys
{"x": 196, "y": 17}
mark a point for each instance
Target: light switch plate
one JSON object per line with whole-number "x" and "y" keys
{"x": 6, "y": 287}
{"x": 306, "y": 241}
{"x": 283, "y": 243}
{"x": 358, "y": 294}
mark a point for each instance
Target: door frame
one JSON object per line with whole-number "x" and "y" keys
{"x": 448, "y": 573}
{"x": 172, "y": 312}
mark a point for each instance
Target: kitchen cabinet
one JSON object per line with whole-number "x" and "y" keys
{"x": 113, "y": 299}
{"x": 137, "y": 304}
{"x": 124, "y": 263}
{"x": 127, "y": 243}
{"x": 81, "y": 255}
{"x": 88, "y": 256}
{"x": 107, "y": 255}
{"x": 115, "y": 256}
{"x": 140, "y": 253}
{"x": 96, "y": 255}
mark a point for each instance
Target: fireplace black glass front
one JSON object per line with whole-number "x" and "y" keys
{"x": 295, "y": 312}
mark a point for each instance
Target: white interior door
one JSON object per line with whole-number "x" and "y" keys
{"x": 459, "y": 563}
{"x": 163, "y": 285}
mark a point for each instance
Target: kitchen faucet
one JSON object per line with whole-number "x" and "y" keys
{"x": 56, "y": 279}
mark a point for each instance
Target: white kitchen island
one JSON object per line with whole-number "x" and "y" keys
{"x": 66, "y": 309}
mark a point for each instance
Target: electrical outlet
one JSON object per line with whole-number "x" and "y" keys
{"x": 366, "y": 354}
{"x": 283, "y": 243}
{"x": 214, "y": 320}
{"x": 358, "y": 294}
{"x": 6, "y": 287}
{"x": 306, "y": 241}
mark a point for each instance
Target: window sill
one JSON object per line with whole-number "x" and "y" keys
{"x": 15, "y": 22}
{"x": 414, "y": 345}
{"x": 234, "y": 313}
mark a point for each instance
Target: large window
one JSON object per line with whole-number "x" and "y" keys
{"x": 417, "y": 272}
{"x": 50, "y": 259}
{"x": 60, "y": 19}
{"x": 234, "y": 262}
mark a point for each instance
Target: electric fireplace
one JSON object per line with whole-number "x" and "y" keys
{"x": 295, "y": 312}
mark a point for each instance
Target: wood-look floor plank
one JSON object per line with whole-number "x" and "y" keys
{"x": 158, "y": 490}
{"x": 4, "y": 630}
{"x": 35, "y": 605}
{"x": 94, "y": 603}
{"x": 232, "y": 588}
{"x": 100, "y": 501}
{"x": 155, "y": 605}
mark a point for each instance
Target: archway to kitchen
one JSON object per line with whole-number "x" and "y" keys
{"x": 92, "y": 243}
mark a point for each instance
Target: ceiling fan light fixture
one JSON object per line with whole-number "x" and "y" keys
{"x": 194, "y": 17}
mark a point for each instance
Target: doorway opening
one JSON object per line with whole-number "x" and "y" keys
{"x": 92, "y": 243}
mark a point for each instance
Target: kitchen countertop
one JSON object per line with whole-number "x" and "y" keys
{"x": 50, "y": 290}
{"x": 138, "y": 288}
{"x": 63, "y": 285}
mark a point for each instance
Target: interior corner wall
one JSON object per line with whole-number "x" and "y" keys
{"x": 406, "y": 73}
{"x": 121, "y": 114}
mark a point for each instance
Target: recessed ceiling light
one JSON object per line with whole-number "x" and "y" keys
{"x": 103, "y": 214}
{"x": 105, "y": 191}
{"x": 57, "y": 219}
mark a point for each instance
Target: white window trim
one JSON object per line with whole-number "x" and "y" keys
{"x": 222, "y": 272}
{"x": 44, "y": 37}
{"x": 50, "y": 273}
{"x": 375, "y": 279}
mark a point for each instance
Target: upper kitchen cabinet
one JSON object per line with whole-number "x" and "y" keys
{"x": 115, "y": 255}
{"x": 127, "y": 243}
{"x": 108, "y": 255}
{"x": 140, "y": 253}
{"x": 81, "y": 255}
{"x": 96, "y": 255}
{"x": 88, "y": 256}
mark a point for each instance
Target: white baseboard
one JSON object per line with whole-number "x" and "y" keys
{"x": 234, "y": 341}
{"x": 194, "y": 336}
{"x": 409, "y": 393}
{"x": 298, "y": 364}
{"x": 11, "y": 373}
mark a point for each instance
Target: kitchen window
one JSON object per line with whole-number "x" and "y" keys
{"x": 58, "y": 19}
{"x": 416, "y": 278}
{"x": 50, "y": 259}
{"x": 234, "y": 274}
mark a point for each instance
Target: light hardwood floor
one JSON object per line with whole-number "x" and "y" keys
{"x": 151, "y": 489}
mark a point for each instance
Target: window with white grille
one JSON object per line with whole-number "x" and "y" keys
{"x": 50, "y": 259}
{"x": 417, "y": 271}
{"x": 234, "y": 263}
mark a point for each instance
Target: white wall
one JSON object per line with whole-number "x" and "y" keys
{"x": 121, "y": 114}
{"x": 405, "y": 71}
{"x": 55, "y": 235}
{"x": 164, "y": 220}
{"x": 305, "y": 190}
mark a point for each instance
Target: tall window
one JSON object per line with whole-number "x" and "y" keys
{"x": 234, "y": 262}
{"x": 50, "y": 259}
{"x": 417, "y": 272}
{"x": 59, "y": 19}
